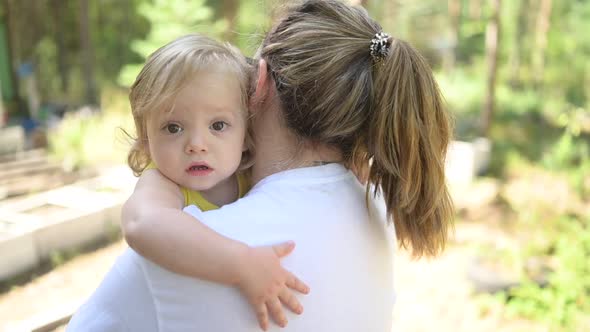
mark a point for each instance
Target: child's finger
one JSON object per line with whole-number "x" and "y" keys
{"x": 296, "y": 284}
{"x": 275, "y": 309}
{"x": 262, "y": 316}
{"x": 289, "y": 300}
{"x": 283, "y": 249}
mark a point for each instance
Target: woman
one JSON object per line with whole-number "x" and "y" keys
{"x": 332, "y": 91}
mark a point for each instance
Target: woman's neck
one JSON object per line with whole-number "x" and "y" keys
{"x": 279, "y": 150}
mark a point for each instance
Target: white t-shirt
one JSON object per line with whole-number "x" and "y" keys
{"x": 344, "y": 252}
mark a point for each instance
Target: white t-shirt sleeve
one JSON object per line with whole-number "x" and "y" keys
{"x": 122, "y": 302}
{"x": 93, "y": 318}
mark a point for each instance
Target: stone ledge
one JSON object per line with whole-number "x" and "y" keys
{"x": 65, "y": 218}
{"x": 46, "y": 321}
{"x": 466, "y": 160}
{"x": 17, "y": 254}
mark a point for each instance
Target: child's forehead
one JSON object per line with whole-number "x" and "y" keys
{"x": 215, "y": 88}
{"x": 182, "y": 108}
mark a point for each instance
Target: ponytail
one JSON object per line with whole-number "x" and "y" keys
{"x": 344, "y": 83}
{"x": 408, "y": 134}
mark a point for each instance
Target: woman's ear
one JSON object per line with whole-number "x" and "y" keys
{"x": 262, "y": 85}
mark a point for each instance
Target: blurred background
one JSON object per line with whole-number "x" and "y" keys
{"x": 515, "y": 75}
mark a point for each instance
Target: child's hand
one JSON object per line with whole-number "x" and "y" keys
{"x": 265, "y": 283}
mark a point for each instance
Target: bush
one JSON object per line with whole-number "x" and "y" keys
{"x": 564, "y": 303}
{"x": 87, "y": 138}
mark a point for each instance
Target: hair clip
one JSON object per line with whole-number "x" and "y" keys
{"x": 380, "y": 45}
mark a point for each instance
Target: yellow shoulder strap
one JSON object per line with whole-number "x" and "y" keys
{"x": 192, "y": 197}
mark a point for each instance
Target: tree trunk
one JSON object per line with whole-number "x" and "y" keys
{"x": 87, "y": 53}
{"x": 58, "y": 13}
{"x": 450, "y": 52}
{"x": 492, "y": 43}
{"x": 542, "y": 29}
{"x": 517, "y": 46}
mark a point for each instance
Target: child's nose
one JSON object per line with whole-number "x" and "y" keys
{"x": 196, "y": 144}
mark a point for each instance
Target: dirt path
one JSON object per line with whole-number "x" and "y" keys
{"x": 65, "y": 285}
{"x": 432, "y": 295}
{"x": 436, "y": 296}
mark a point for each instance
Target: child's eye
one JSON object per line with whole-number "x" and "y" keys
{"x": 219, "y": 126}
{"x": 173, "y": 128}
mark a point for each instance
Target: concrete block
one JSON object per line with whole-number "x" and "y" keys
{"x": 12, "y": 138}
{"x": 68, "y": 230}
{"x": 78, "y": 198}
{"x": 466, "y": 160}
{"x": 109, "y": 203}
{"x": 112, "y": 219}
{"x": 46, "y": 321}
{"x": 66, "y": 218}
{"x": 17, "y": 253}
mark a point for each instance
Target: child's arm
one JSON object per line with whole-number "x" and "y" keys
{"x": 156, "y": 227}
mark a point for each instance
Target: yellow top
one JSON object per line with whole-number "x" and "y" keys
{"x": 194, "y": 197}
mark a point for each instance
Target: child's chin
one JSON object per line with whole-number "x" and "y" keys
{"x": 201, "y": 186}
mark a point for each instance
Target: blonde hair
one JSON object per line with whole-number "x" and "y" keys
{"x": 166, "y": 72}
{"x": 389, "y": 111}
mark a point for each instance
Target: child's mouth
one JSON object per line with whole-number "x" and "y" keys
{"x": 199, "y": 170}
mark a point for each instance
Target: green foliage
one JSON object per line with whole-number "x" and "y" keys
{"x": 568, "y": 52}
{"x": 564, "y": 303}
{"x": 170, "y": 19}
{"x": 47, "y": 34}
{"x": 84, "y": 139}
{"x": 115, "y": 25}
{"x": 464, "y": 91}
{"x": 568, "y": 153}
{"x": 571, "y": 153}
{"x": 46, "y": 51}
{"x": 252, "y": 23}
